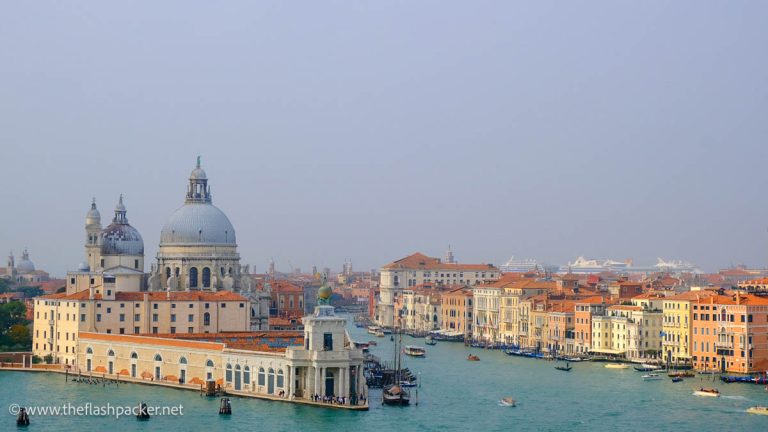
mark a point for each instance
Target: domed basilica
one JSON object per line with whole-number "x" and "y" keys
{"x": 198, "y": 247}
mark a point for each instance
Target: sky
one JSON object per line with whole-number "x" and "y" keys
{"x": 369, "y": 130}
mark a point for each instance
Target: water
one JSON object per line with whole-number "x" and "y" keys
{"x": 455, "y": 395}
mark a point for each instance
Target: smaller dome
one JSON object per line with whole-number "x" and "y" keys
{"x": 121, "y": 239}
{"x": 83, "y": 267}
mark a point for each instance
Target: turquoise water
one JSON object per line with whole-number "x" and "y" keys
{"x": 455, "y": 395}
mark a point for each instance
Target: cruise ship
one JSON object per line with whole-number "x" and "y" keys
{"x": 520, "y": 265}
{"x": 584, "y": 265}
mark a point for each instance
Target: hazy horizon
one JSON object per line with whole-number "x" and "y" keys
{"x": 372, "y": 130}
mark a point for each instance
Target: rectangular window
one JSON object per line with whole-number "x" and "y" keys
{"x": 173, "y": 330}
{"x": 109, "y": 310}
{"x": 154, "y": 330}
{"x": 190, "y": 329}
{"x": 98, "y": 317}
{"x": 136, "y": 330}
{"x": 173, "y": 317}
{"x": 154, "y": 318}
{"x": 154, "y": 306}
{"x": 190, "y": 318}
{"x": 122, "y": 330}
{"x": 223, "y": 305}
{"x": 137, "y": 317}
{"x": 122, "y": 317}
{"x": 328, "y": 342}
{"x": 173, "y": 305}
{"x": 82, "y": 317}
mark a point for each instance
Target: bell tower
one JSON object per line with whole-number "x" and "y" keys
{"x": 92, "y": 232}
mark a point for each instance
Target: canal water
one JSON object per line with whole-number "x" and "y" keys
{"x": 455, "y": 394}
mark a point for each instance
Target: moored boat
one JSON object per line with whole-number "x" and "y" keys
{"x": 646, "y": 368}
{"x": 473, "y": 357}
{"x": 396, "y": 395}
{"x": 616, "y": 366}
{"x": 708, "y": 392}
{"x": 651, "y": 377}
{"x": 414, "y": 351}
{"x": 566, "y": 368}
{"x": 676, "y": 379}
{"x": 761, "y": 410}
{"x": 379, "y": 333}
{"x": 687, "y": 374}
{"x": 373, "y": 329}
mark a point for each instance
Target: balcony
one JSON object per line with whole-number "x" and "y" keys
{"x": 724, "y": 344}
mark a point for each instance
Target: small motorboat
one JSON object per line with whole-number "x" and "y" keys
{"x": 651, "y": 377}
{"x": 761, "y": 410}
{"x": 616, "y": 366}
{"x": 566, "y": 368}
{"x": 708, "y": 392}
{"x": 372, "y": 343}
{"x": 430, "y": 341}
{"x": 379, "y": 333}
{"x": 414, "y": 351}
{"x": 573, "y": 359}
{"x": 473, "y": 357}
{"x": 373, "y": 329}
{"x": 507, "y": 401}
{"x": 677, "y": 379}
{"x": 396, "y": 395}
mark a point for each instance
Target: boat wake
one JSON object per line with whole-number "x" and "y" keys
{"x": 740, "y": 398}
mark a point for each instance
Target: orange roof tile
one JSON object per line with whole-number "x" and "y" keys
{"x": 422, "y": 262}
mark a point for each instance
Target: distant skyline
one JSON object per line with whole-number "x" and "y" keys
{"x": 372, "y": 130}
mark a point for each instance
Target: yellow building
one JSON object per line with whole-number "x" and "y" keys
{"x": 514, "y": 290}
{"x": 59, "y": 318}
{"x": 677, "y": 328}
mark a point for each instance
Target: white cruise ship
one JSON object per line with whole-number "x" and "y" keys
{"x": 584, "y": 265}
{"x": 520, "y": 266}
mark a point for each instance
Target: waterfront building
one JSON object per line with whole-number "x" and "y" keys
{"x": 513, "y": 290}
{"x": 287, "y": 299}
{"x": 584, "y": 310}
{"x": 560, "y": 327}
{"x": 421, "y": 308}
{"x": 677, "y": 329}
{"x": 730, "y": 333}
{"x": 291, "y": 365}
{"x": 630, "y": 331}
{"x": 60, "y": 318}
{"x": 417, "y": 269}
{"x": 457, "y": 310}
{"x": 486, "y": 309}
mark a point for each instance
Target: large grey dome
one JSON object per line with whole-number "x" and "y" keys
{"x": 25, "y": 265}
{"x": 119, "y": 238}
{"x": 198, "y": 223}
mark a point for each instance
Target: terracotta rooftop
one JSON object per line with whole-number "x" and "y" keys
{"x": 154, "y": 296}
{"x": 419, "y": 261}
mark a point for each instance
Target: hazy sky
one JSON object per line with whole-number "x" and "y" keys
{"x": 370, "y": 130}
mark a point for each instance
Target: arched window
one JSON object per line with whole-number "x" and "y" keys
{"x": 158, "y": 357}
{"x": 209, "y": 363}
{"x": 206, "y": 318}
{"x": 247, "y": 375}
{"x": 228, "y": 376}
{"x": 280, "y": 378}
{"x": 134, "y": 356}
{"x": 193, "y": 277}
{"x": 89, "y": 350}
{"x": 167, "y": 272}
{"x": 110, "y": 353}
{"x": 206, "y": 277}
{"x": 230, "y": 271}
{"x": 262, "y": 377}
{"x": 183, "y": 360}
{"x": 222, "y": 272}
{"x": 177, "y": 271}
